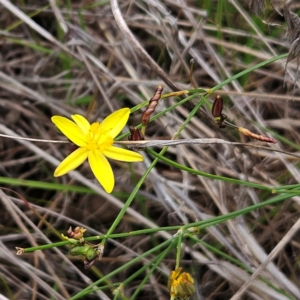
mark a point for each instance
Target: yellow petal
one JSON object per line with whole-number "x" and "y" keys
{"x": 71, "y": 162}
{"x": 115, "y": 122}
{"x": 82, "y": 123}
{"x": 122, "y": 154}
{"x": 102, "y": 170}
{"x": 70, "y": 130}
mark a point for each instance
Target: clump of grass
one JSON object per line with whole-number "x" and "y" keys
{"x": 225, "y": 212}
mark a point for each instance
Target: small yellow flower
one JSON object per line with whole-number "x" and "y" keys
{"x": 95, "y": 143}
{"x": 181, "y": 285}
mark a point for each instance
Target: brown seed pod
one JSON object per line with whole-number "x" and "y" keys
{"x": 135, "y": 134}
{"x": 152, "y": 105}
{"x": 216, "y": 111}
{"x": 256, "y": 136}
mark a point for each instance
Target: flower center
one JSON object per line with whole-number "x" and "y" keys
{"x": 98, "y": 139}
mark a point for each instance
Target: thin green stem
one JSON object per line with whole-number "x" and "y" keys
{"x": 178, "y": 249}
{"x": 130, "y": 199}
{"x": 204, "y": 174}
{"x": 244, "y": 72}
{"x": 151, "y": 271}
{"x": 201, "y": 224}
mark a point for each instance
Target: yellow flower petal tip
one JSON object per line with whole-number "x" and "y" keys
{"x": 95, "y": 143}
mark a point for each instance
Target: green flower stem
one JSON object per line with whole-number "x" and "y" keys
{"x": 287, "y": 187}
{"x": 178, "y": 248}
{"x": 188, "y": 119}
{"x": 47, "y": 246}
{"x": 109, "y": 287}
{"x": 156, "y": 260}
{"x": 118, "y": 292}
{"x": 244, "y": 72}
{"x": 151, "y": 271}
{"x": 223, "y": 218}
{"x": 291, "y": 193}
{"x": 204, "y": 174}
{"x": 201, "y": 224}
{"x": 130, "y": 199}
{"x": 90, "y": 288}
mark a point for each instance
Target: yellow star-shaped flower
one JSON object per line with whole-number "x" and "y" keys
{"x": 95, "y": 143}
